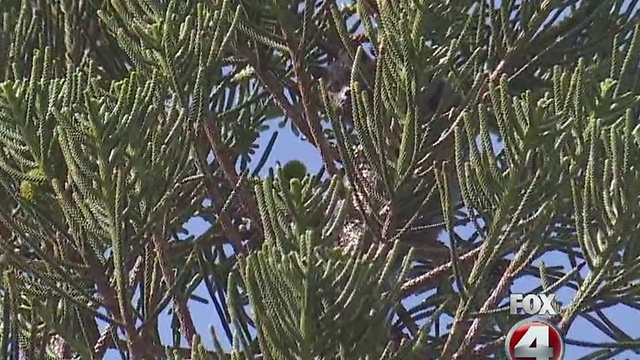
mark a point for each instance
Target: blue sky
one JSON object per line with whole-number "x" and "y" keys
{"x": 290, "y": 147}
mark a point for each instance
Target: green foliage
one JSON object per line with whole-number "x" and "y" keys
{"x": 120, "y": 121}
{"x": 294, "y": 170}
{"x": 298, "y": 295}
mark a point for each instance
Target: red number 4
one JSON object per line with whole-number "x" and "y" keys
{"x": 534, "y": 339}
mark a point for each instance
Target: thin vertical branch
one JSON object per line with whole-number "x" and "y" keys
{"x": 179, "y": 301}
{"x": 523, "y": 258}
{"x": 137, "y": 349}
{"x": 247, "y": 202}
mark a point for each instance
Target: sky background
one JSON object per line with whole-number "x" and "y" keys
{"x": 290, "y": 147}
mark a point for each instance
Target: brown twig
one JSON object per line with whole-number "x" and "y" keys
{"x": 407, "y": 320}
{"x": 124, "y": 317}
{"x": 302, "y": 114}
{"x": 179, "y": 301}
{"x": 484, "y": 350}
{"x": 106, "y": 339}
{"x": 247, "y": 202}
{"x": 522, "y": 259}
{"x": 276, "y": 91}
{"x": 103, "y": 342}
{"x": 436, "y": 275}
{"x": 157, "y": 351}
{"x": 235, "y": 239}
{"x": 310, "y": 111}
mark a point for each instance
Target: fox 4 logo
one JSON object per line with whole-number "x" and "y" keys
{"x": 532, "y": 304}
{"x": 534, "y": 338}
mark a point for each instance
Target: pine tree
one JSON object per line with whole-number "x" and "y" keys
{"x": 463, "y": 143}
